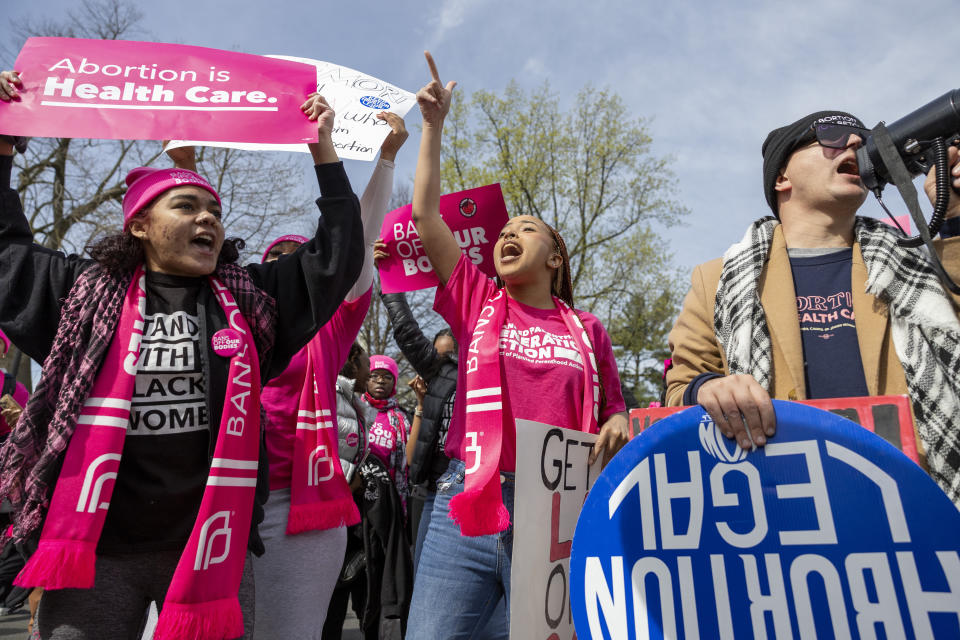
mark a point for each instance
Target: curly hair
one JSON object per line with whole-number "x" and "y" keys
{"x": 122, "y": 252}
{"x": 562, "y": 285}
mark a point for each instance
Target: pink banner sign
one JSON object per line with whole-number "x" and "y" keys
{"x": 475, "y": 216}
{"x": 75, "y": 88}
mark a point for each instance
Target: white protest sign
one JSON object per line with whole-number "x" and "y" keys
{"x": 356, "y": 98}
{"x": 552, "y": 482}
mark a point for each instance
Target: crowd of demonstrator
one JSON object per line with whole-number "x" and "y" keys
{"x": 214, "y": 442}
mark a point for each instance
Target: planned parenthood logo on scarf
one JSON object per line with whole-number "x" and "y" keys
{"x": 827, "y": 532}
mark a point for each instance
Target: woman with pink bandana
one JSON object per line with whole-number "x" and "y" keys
{"x": 388, "y": 574}
{"x": 305, "y": 524}
{"x": 136, "y": 471}
{"x": 387, "y": 437}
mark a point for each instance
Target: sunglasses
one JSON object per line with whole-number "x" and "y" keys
{"x": 834, "y": 136}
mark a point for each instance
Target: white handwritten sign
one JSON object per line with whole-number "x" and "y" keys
{"x": 552, "y": 482}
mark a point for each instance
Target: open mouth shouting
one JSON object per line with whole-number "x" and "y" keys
{"x": 848, "y": 166}
{"x": 510, "y": 252}
{"x": 205, "y": 241}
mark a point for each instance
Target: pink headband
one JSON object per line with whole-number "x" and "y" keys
{"x": 6, "y": 343}
{"x": 388, "y": 363}
{"x": 292, "y": 237}
{"x": 144, "y": 184}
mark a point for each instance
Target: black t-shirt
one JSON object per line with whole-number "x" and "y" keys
{"x": 165, "y": 460}
{"x": 831, "y": 353}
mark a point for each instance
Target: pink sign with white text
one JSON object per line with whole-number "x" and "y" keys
{"x": 76, "y": 88}
{"x": 475, "y": 216}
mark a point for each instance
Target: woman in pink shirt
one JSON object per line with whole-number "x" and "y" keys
{"x": 525, "y": 353}
{"x": 310, "y": 506}
{"x": 387, "y": 437}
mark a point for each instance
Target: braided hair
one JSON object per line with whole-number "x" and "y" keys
{"x": 562, "y": 285}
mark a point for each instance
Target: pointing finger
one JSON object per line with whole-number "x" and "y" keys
{"x": 433, "y": 66}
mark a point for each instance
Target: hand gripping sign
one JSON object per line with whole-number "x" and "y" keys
{"x": 77, "y": 88}
{"x": 475, "y": 216}
{"x": 826, "y": 532}
{"x": 356, "y": 97}
{"x": 890, "y": 417}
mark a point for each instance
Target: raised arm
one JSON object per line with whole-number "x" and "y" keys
{"x": 438, "y": 241}
{"x": 310, "y": 284}
{"x": 182, "y": 157}
{"x": 316, "y": 108}
{"x": 419, "y": 387}
{"x": 417, "y": 348}
{"x": 376, "y": 199}
{"x": 34, "y": 280}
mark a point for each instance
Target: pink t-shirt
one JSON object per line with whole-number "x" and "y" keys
{"x": 383, "y": 437}
{"x": 542, "y": 366}
{"x": 281, "y": 396}
{"x": 19, "y": 394}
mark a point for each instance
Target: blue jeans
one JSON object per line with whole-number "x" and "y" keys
{"x": 460, "y": 580}
{"x": 423, "y": 526}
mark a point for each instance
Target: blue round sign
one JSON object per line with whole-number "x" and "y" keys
{"x": 374, "y": 102}
{"x": 827, "y": 532}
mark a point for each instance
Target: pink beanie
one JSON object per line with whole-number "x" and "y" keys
{"x": 292, "y": 237}
{"x": 388, "y": 363}
{"x": 144, "y": 184}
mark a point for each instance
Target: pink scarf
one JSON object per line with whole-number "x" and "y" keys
{"x": 201, "y": 601}
{"x": 388, "y": 412}
{"x": 479, "y": 509}
{"x": 319, "y": 495}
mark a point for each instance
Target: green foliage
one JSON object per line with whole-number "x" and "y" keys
{"x": 588, "y": 171}
{"x": 639, "y": 298}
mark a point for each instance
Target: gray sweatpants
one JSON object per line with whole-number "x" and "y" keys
{"x": 116, "y": 607}
{"x": 296, "y": 576}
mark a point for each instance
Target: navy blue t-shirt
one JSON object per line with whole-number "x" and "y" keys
{"x": 842, "y": 354}
{"x": 831, "y": 354}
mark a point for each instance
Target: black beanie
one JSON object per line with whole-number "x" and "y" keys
{"x": 780, "y": 143}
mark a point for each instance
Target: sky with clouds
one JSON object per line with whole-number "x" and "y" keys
{"x": 714, "y": 77}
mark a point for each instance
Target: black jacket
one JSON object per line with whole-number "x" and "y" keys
{"x": 308, "y": 286}
{"x": 440, "y": 374}
{"x": 389, "y": 561}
